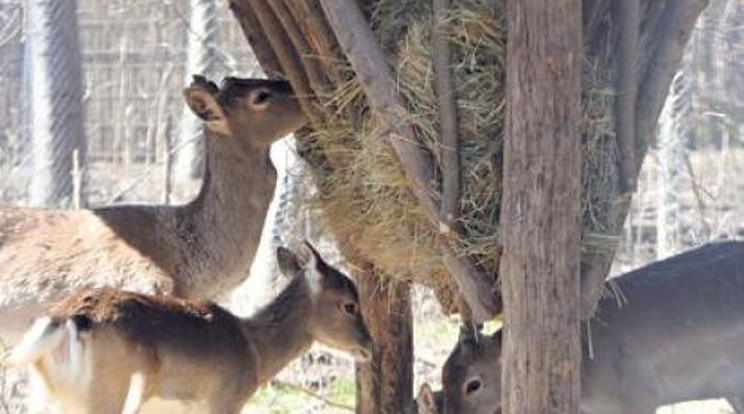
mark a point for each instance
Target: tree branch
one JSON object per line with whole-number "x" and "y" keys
{"x": 447, "y": 119}
{"x": 357, "y": 41}
{"x": 666, "y": 51}
{"x": 628, "y": 12}
{"x": 666, "y": 26}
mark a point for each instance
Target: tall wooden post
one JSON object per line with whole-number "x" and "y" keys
{"x": 540, "y": 217}
{"x": 385, "y": 384}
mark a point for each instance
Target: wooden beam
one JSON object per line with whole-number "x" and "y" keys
{"x": 385, "y": 384}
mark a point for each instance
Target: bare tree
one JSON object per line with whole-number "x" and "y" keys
{"x": 53, "y": 99}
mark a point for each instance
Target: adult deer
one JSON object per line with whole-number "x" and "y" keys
{"x": 676, "y": 333}
{"x": 196, "y": 250}
{"x": 110, "y": 351}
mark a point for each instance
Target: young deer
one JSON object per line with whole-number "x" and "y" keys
{"x": 678, "y": 337}
{"x": 196, "y": 250}
{"x": 110, "y": 351}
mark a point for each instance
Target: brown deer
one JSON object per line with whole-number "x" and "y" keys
{"x": 676, "y": 334}
{"x": 196, "y": 250}
{"x": 111, "y": 351}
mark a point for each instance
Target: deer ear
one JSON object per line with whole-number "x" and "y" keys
{"x": 425, "y": 399}
{"x": 288, "y": 262}
{"x": 203, "y": 104}
{"x": 309, "y": 262}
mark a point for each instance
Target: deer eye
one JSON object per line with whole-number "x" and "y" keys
{"x": 473, "y": 386}
{"x": 261, "y": 97}
{"x": 350, "y": 308}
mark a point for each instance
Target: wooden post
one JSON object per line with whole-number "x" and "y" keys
{"x": 540, "y": 208}
{"x": 385, "y": 384}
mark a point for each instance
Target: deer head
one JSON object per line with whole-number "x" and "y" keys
{"x": 335, "y": 320}
{"x": 471, "y": 376}
{"x": 257, "y": 111}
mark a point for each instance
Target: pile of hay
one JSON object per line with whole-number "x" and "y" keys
{"x": 365, "y": 197}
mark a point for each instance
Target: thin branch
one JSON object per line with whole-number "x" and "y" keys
{"x": 358, "y": 43}
{"x": 628, "y": 12}
{"x": 447, "y": 118}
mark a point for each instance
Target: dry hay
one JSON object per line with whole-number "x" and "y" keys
{"x": 366, "y": 199}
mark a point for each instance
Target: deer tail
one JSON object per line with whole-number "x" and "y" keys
{"x": 58, "y": 340}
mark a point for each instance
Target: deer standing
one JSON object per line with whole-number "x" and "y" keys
{"x": 197, "y": 250}
{"x": 676, "y": 334}
{"x": 111, "y": 351}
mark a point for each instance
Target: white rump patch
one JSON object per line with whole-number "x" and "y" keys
{"x": 36, "y": 341}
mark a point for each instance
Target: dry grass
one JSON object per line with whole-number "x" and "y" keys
{"x": 365, "y": 196}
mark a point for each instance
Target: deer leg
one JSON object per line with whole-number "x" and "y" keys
{"x": 108, "y": 394}
{"x": 136, "y": 394}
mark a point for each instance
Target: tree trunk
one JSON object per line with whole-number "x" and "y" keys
{"x": 385, "y": 385}
{"x": 541, "y": 230}
{"x": 199, "y": 61}
{"x": 54, "y": 93}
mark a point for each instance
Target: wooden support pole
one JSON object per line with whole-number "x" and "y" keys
{"x": 540, "y": 227}
{"x": 385, "y": 384}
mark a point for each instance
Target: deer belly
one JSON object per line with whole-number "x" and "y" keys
{"x": 702, "y": 367}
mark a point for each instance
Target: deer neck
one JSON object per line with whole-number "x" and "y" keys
{"x": 226, "y": 218}
{"x": 279, "y": 332}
